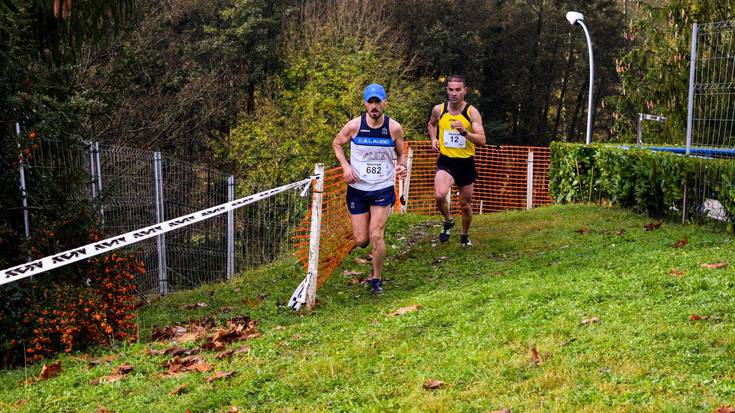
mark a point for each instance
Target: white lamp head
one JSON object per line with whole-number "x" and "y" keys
{"x": 574, "y": 17}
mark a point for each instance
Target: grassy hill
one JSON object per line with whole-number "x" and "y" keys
{"x": 564, "y": 308}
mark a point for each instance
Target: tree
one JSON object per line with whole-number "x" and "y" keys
{"x": 331, "y": 51}
{"x": 655, "y": 70}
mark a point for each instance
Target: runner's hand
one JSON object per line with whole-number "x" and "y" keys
{"x": 458, "y": 126}
{"x": 401, "y": 171}
{"x": 435, "y": 145}
{"x": 349, "y": 174}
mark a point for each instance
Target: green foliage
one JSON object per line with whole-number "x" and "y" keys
{"x": 298, "y": 112}
{"x": 654, "y": 72}
{"x": 641, "y": 179}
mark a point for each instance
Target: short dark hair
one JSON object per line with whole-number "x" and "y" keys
{"x": 457, "y": 78}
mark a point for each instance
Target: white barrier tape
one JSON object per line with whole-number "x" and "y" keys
{"x": 299, "y": 296}
{"x": 90, "y": 250}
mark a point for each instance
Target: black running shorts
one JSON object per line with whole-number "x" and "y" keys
{"x": 462, "y": 169}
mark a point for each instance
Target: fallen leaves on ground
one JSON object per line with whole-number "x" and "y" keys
{"x": 505, "y": 410}
{"x": 361, "y": 261}
{"x": 439, "y": 260}
{"x": 681, "y": 243}
{"x": 695, "y": 317}
{"x": 226, "y": 309}
{"x": 715, "y": 266}
{"x": 404, "y": 310}
{"x": 432, "y": 384}
{"x": 186, "y": 364}
{"x": 232, "y": 409}
{"x": 653, "y": 225}
{"x": 118, "y": 373}
{"x": 107, "y": 379}
{"x": 183, "y": 388}
{"x": 535, "y": 358}
{"x": 354, "y": 281}
{"x": 97, "y": 361}
{"x": 619, "y": 232}
{"x": 50, "y": 370}
{"x": 123, "y": 369}
{"x": 352, "y": 273}
{"x": 582, "y": 230}
{"x": 195, "y": 306}
{"x": 588, "y": 321}
{"x": 103, "y": 409}
{"x": 675, "y": 272}
{"x": 725, "y": 409}
{"x": 219, "y": 375}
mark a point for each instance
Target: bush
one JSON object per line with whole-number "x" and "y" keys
{"x": 647, "y": 181}
{"x": 53, "y": 313}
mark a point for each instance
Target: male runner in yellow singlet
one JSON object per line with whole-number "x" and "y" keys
{"x": 455, "y": 129}
{"x": 375, "y": 141}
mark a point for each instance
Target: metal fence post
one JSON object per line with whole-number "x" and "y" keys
{"x": 95, "y": 172}
{"x": 529, "y": 181}
{"x": 160, "y": 239}
{"x": 230, "y": 229}
{"x": 314, "y": 238}
{"x": 98, "y": 178}
{"x": 23, "y": 191}
{"x": 692, "y": 67}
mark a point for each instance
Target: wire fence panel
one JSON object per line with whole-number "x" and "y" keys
{"x": 120, "y": 185}
{"x": 713, "y": 118}
{"x": 127, "y": 202}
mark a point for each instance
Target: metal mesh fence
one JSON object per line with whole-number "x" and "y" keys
{"x": 131, "y": 189}
{"x": 711, "y": 131}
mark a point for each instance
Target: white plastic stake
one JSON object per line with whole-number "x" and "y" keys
{"x": 529, "y": 181}
{"x": 314, "y": 238}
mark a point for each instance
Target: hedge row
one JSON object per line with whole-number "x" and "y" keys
{"x": 644, "y": 180}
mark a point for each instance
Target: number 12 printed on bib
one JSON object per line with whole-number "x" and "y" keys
{"x": 452, "y": 139}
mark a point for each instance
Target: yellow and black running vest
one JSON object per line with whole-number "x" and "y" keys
{"x": 451, "y": 143}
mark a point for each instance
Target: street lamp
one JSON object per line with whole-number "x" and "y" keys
{"x": 575, "y": 17}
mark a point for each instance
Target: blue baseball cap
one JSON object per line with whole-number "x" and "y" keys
{"x": 374, "y": 90}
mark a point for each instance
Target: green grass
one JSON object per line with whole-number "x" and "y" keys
{"x": 529, "y": 281}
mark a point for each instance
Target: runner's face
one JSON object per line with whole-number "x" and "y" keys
{"x": 374, "y": 108}
{"x": 456, "y": 91}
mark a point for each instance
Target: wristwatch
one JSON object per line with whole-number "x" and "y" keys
{"x": 463, "y": 133}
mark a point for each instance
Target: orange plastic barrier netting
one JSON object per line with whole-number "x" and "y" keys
{"x": 336, "y": 233}
{"x": 501, "y": 182}
{"x": 501, "y": 185}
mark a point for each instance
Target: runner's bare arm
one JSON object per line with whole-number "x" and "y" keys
{"x": 343, "y": 138}
{"x": 477, "y": 136}
{"x": 433, "y": 122}
{"x": 396, "y": 131}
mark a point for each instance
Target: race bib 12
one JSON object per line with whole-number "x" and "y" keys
{"x": 452, "y": 139}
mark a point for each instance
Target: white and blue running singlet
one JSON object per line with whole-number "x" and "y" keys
{"x": 372, "y": 155}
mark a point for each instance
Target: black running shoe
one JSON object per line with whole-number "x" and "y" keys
{"x": 465, "y": 241}
{"x": 444, "y": 235}
{"x": 376, "y": 286}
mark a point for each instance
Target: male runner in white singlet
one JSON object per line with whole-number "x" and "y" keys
{"x": 375, "y": 140}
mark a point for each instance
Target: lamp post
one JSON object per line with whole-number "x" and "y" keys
{"x": 578, "y": 18}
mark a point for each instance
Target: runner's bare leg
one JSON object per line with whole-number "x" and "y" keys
{"x": 465, "y": 200}
{"x": 442, "y": 184}
{"x": 378, "y": 218}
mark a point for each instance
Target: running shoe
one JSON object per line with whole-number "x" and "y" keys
{"x": 376, "y": 286}
{"x": 465, "y": 241}
{"x": 444, "y": 235}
